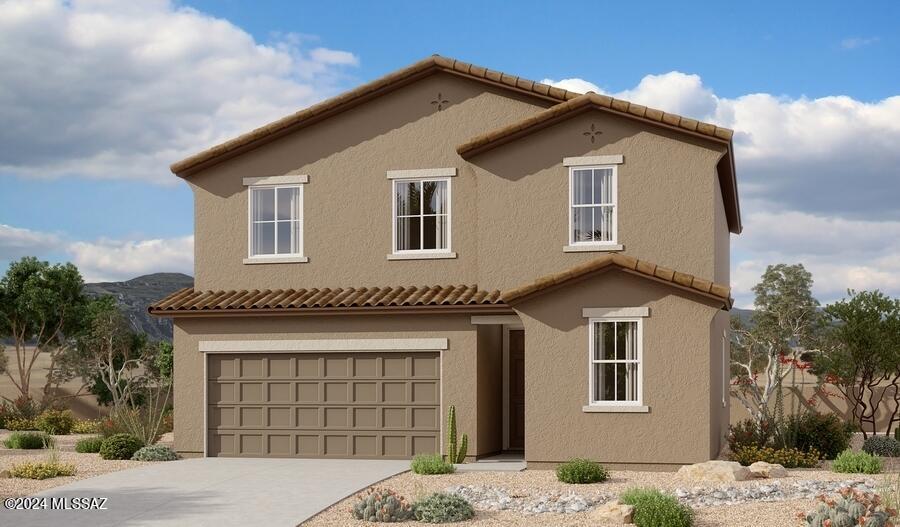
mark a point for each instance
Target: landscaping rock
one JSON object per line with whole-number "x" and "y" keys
{"x": 613, "y": 512}
{"x": 761, "y": 469}
{"x": 715, "y": 471}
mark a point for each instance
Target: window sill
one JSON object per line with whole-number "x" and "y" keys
{"x": 421, "y": 256}
{"x": 275, "y": 260}
{"x": 592, "y": 248}
{"x": 598, "y": 409}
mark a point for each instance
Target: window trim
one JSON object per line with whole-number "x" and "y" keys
{"x": 636, "y": 405}
{"x": 412, "y": 254}
{"x": 296, "y": 257}
{"x": 613, "y": 244}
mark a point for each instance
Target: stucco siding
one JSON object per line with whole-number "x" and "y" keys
{"x": 722, "y": 252}
{"x": 676, "y": 365}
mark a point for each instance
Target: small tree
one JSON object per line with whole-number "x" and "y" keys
{"x": 785, "y": 324}
{"x": 41, "y": 306}
{"x": 861, "y": 357}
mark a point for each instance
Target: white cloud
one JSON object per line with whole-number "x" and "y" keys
{"x": 858, "y": 42}
{"x": 109, "y": 89}
{"x": 109, "y": 260}
{"x": 16, "y": 242}
{"x": 575, "y": 85}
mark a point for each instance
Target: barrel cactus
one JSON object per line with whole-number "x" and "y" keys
{"x": 381, "y": 505}
{"x": 849, "y": 509}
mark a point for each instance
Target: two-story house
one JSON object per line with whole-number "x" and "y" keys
{"x": 554, "y": 265}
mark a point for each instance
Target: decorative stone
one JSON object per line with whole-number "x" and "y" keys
{"x": 715, "y": 470}
{"x": 761, "y": 469}
{"x": 613, "y": 512}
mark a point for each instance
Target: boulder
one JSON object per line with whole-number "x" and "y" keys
{"x": 761, "y": 469}
{"x": 715, "y": 471}
{"x": 613, "y": 512}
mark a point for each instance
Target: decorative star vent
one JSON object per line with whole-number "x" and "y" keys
{"x": 592, "y": 133}
{"x": 439, "y": 102}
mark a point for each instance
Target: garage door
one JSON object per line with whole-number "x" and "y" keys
{"x": 363, "y": 405}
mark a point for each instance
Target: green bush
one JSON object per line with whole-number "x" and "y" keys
{"x": 19, "y": 424}
{"x": 28, "y": 440}
{"x": 850, "y": 462}
{"x": 431, "y": 464}
{"x": 86, "y": 426}
{"x": 826, "y": 433}
{"x": 786, "y": 457}
{"x": 47, "y": 470}
{"x": 652, "y": 508}
{"x": 55, "y": 422}
{"x": 381, "y": 505}
{"x": 89, "y": 445}
{"x": 155, "y": 453}
{"x": 120, "y": 446}
{"x": 581, "y": 471}
{"x": 441, "y": 507}
{"x": 882, "y": 446}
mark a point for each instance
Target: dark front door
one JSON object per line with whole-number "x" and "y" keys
{"x": 517, "y": 389}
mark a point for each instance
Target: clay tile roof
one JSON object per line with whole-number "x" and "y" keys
{"x": 498, "y": 136}
{"x": 632, "y": 265}
{"x": 348, "y": 99}
{"x": 190, "y": 301}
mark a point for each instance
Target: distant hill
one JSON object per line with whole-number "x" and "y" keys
{"x": 136, "y": 294}
{"x": 743, "y": 314}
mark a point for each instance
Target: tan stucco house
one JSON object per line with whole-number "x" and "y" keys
{"x": 554, "y": 265}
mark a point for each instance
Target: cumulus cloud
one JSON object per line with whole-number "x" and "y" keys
{"x": 109, "y": 89}
{"x": 111, "y": 260}
{"x": 16, "y": 242}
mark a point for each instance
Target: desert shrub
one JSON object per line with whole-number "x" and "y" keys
{"x": 826, "y": 433}
{"x": 28, "y": 440}
{"x": 889, "y": 491}
{"x": 431, "y": 464}
{"x": 441, "y": 507}
{"x": 581, "y": 471}
{"x": 19, "y": 424}
{"x": 155, "y": 453}
{"x": 41, "y": 470}
{"x": 882, "y": 446}
{"x": 652, "y": 508}
{"x": 747, "y": 433}
{"x": 89, "y": 445}
{"x": 55, "y": 422}
{"x": 381, "y": 505}
{"x": 86, "y": 426}
{"x": 168, "y": 422}
{"x": 850, "y": 462}
{"x": 850, "y": 507}
{"x": 786, "y": 457}
{"x": 111, "y": 426}
{"x": 120, "y": 446}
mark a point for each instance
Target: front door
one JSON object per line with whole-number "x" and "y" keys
{"x": 517, "y": 389}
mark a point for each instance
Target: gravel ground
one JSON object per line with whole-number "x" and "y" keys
{"x": 86, "y": 465}
{"x": 534, "y": 483}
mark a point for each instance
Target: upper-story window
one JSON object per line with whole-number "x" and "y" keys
{"x": 421, "y": 215}
{"x": 276, "y": 221}
{"x": 592, "y": 205}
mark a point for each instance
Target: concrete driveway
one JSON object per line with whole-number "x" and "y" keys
{"x": 218, "y": 492}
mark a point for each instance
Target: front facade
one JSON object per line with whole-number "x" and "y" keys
{"x": 554, "y": 265}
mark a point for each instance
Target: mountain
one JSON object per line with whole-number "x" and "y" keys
{"x": 743, "y": 314}
{"x": 136, "y": 294}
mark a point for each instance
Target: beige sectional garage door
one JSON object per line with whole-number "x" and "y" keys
{"x": 364, "y": 405}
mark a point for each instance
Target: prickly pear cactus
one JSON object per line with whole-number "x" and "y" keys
{"x": 451, "y": 434}
{"x": 381, "y": 505}
{"x": 849, "y": 509}
{"x": 463, "y": 448}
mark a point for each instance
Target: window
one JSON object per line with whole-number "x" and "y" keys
{"x": 276, "y": 223}
{"x": 592, "y": 211}
{"x": 421, "y": 215}
{"x": 615, "y": 362}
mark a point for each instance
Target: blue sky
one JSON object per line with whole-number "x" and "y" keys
{"x": 98, "y": 97}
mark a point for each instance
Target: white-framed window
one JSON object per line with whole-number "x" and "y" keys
{"x": 592, "y": 205}
{"x": 615, "y": 357}
{"x": 275, "y": 221}
{"x": 421, "y": 215}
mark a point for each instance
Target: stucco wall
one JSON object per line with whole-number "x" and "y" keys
{"x": 722, "y": 251}
{"x": 676, "y": 387}
{"x": 458, "y": 361}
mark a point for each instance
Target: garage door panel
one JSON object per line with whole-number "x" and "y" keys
{"x": 366, "y": 405}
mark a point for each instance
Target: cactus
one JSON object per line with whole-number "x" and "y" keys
{"x": 451, "y": 434}
{"x": 463, "y": 447}
{"x": 381, "y": 505}
{"x": 849, "y": 509}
